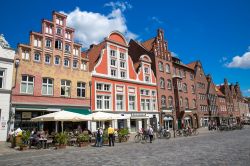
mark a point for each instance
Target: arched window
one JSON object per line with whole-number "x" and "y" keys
{"x": 47, "y": 59}
{"x": 48, "y": 43}
{"x": 186, "y": 103}
{"x": 160, "y": 66}
{"x": 167, "y": 68}
{"x": 170, "y": 102}
{"x": 57, "y": 60}
{"x": 169, "y": 84}
{"x": 58, "y": 44}
{"x": 163, "y": 101}
{"x": 194, "y": 103}
{"x": 184, "y": 87}
{"x": 37, "y": 57}
{"x": 66, "y": 62}
{"x": 162, "y": 83}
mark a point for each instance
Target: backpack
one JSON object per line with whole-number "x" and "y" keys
{"x": 98, "y": 133}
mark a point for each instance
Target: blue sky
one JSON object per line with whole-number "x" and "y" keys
{"x": 215, "y": 32}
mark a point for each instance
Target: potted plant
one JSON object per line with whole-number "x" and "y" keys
{"x": 61, "y": 140}
{"x": 123, "y": 135}
{"x": 83, "y": 140}
{"x": 25, "y": 140}
{"x": 105, "y": 137}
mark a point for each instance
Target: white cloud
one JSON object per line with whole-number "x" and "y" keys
{"x": 174, "y": 54}
{"x": 240, "y": 61}
{"x": 93, "y": 27}
{"x": 156, "y": 19}
{"x": 119, "y": 5}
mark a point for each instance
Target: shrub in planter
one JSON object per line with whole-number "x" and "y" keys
{"x": 83, "y": 139}
{"x": 61, "y": 139}
{"x": 24, "y": 140}
{"x": 123, "y": 135}
{"x": 105, "y": 137}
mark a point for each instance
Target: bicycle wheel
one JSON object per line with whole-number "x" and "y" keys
{"x": 137, "y": 138}
{"x": 167, "y": 135}
{"x": 146, "y": 138}
{"x": 178, "y": 133}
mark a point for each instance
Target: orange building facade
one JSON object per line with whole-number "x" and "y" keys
{"x": 121, "y": 86}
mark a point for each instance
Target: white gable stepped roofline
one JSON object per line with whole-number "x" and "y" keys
{"x": 120, "y": 79}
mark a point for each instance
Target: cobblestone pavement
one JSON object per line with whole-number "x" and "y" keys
{"x": 214, "y": 148}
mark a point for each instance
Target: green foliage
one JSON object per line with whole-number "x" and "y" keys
{"x": 83, "y": 137}
{"x": 61, "y": 138}
{"x": 105, "y": 135}
{"x": 123, "y": 132}
{"x": 25, "y": 136}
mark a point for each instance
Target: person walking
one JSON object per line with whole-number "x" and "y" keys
{"x": 150, "y": 133}
{"x": 111, "y": 135}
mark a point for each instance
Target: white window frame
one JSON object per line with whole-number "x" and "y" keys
{"x": 81, "y": 87}
{"x": 113, "y": 53}
{"x": 67, "y": 87}
{"x": 73, "y": 64}
{"x": 121, "y": 102}
{"x": 59, "y": 43}
{"x": 25, "y": 55}
{"x": 133, "y": 102}
{"x": 27, "y": 83}
{"x": 45, "y": 59}
{"x": 65, "y": 61}
{"x": 48, "y": 43}
{"x": 3, "y": 78}
{"x": 39, "y": 55}
{"x": 48, "y": 85}
{"x": 59, "y": 60}
{"x": 113, "y": 72}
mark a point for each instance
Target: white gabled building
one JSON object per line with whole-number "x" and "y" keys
{"x": 6, "y": 72}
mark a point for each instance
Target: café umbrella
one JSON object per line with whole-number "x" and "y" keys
{"x": 62, "y": 116}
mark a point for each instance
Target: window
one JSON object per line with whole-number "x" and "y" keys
{"x": 75, "y": 64}
{"x": 163, "y": 101}
{"x": 147, "y": 104}
{"x": 194, "y": 103}
{"x": 113, "y": 53}
{"x": 179, "y": 85}
{"x": 154, "y": 104}
{"x": 99, "y": 86}
{"x": 81, "y": 89}
{"x": 66, "y": 62}
{"x": 48, "y": 43}
{"x": 113, "y": 62}
{"x": 47, "y": 86}
{"x": 184, "y": 87}
{"x": 122, "y": 55}
{"x": 58, "y": 44}
{"x": 107, "y": 102}
{"x": 57, "y": 60}
{"x": 167, "y": 68}
{"x": 84, "y": 66}
{"x": 122, "y": 64}
{"x": 65, "y": 88}
{"x": 47, "y": 59}
{"x": 153, "y": 93}
{"x": 99, "y": 102}
{"x": 170, "y": 102}
{"x": 160, "y": 66}
{"x": 192, "y": 89}
{"x": 169, "y": 84}
{"x": 146, "y": 70}
{"x": 37, "y": 43}
{"x": 58, "y": 31}
{"x": 191, "y": 76}
{"x": 113, "y": 72}
{"x": 142, "y": 104}
{"x": 181, "y": 102}
{"x": 123, "y": 74}
{"x": 67, "y": 48}
{"x": 162, "y": 83}
{"x": 67, "y": 35}
{"x": 75, "y": 51}
{"x": 131, "y": 102}
{"x": 106, "y": 87}
{"x": 119, "y": 102}
{"x": 25, "y": 55}
{"x": 184, "y": 74}
{"x": 2, "y": 78}
{"x": 59, "y": 21}
{"x": 186, "y": 103}
{"x": 37, "y": 57}
{"x": 147, "y": 79}
{"x": 27, "y": 84}
{"x": 48, "y": 29}
{"x": 145, "y": 92}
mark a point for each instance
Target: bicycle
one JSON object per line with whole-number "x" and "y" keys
{"x": 163, "y": 134}
{"x": 141, "y": 137}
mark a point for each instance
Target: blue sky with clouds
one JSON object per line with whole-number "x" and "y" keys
{"x": 215, "y": 32}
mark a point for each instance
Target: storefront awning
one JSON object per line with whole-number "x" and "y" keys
{"x": 78, "y": 110}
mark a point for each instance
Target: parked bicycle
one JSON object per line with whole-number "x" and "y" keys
{"x": 163, "y": 133}
{"x": 141, "y": 137}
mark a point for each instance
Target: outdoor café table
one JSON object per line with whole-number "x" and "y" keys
{"x": 43, "y": 141}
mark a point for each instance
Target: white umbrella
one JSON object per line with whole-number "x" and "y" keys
{"x": 102, "y": 116}
{"x": 62, "y": 116}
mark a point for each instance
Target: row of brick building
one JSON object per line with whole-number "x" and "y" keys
{"x": 140, "y": 80}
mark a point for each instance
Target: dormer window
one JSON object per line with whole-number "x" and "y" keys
{"x": 146, "y": 70}
{"x": 147, "y": 79}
